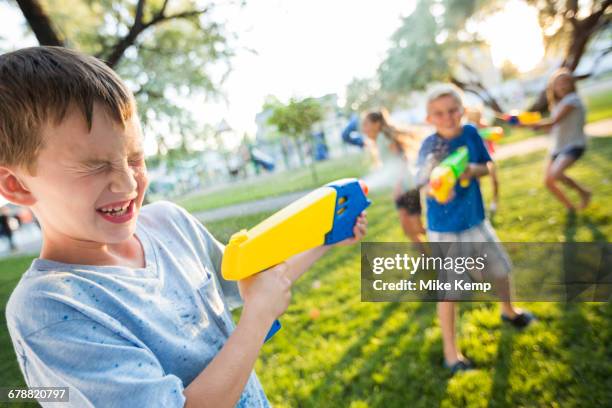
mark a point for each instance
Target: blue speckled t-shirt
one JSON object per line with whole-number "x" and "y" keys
{"x": 126, "y": 337}
{"x": 466, "y": 209}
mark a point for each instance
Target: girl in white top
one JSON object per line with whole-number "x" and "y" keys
{"x": 566, "y": 125}
{"x": 403, "y": 143}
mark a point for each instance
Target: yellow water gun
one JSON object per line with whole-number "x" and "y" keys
{"x": 325, "y": 216}
{"x": 494, "y": 134}
{"x": 445, "y": 175}
{"x": 522, "y": 118}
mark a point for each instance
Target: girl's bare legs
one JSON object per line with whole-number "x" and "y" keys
{"x": 413, "y": 227}
{"x": 555, "y": 171}
{"x": 559, "y": 167}
{"x": 551, "y": 184}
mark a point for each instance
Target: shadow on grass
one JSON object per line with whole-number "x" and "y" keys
{"x": 398, "y": 370}
{"x": 572, "y": 223}
{"x": 586, "y": 350}
{"x": 503, "y": 365}
{"x": 586, "y": 282}
{"x": 598, "y": 236}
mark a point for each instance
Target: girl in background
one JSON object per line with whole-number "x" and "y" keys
{"x": 406, "y": 195}
{"x": 566, "y": 125}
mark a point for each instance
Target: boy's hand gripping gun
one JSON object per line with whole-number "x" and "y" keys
{"x": 324, "y": 216}
{"x": 445, "y": 175}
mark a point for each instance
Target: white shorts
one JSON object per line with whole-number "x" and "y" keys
{"x": 474, "y": 241}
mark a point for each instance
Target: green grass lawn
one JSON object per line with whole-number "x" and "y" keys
{"x": 389, "y": 354}
{"x": 277, "y": 184}
{"x": 10, "y": 376}
{"x": 366, "y": 354}
{"x": 599, "y": 106}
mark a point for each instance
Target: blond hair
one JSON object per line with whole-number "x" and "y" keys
{"x": 443, "y": 91}
{"x": 551, "y": 96}
{"x": 40, "y": 85}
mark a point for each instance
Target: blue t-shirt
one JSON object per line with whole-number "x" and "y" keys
{"x": 350, "y": 134}
{"x": 127, "y": 337}
{"x": 466, "y": 209}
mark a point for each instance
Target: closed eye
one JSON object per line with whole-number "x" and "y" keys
{"x": 92, "y": 169}
{"x": 136, "y": 162}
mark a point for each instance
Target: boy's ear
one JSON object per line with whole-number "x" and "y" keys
{"x": 13, "y": 189}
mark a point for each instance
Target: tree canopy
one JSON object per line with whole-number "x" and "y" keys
{"x": 297, "y": 117}
{"x": 164, "y": 49}
{"x": 428, "y": 46}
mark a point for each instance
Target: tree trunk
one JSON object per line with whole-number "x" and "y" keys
{"x": 313, "y": 164}
{"x": 580, "y": 38}
{"x": 480, "y": 91}
{"x": 124, "y": 43}
{"x": 575, "y": 51}
{"x": 298, "y": 146}
{"x": 39, "y": 22}
{"x": 120, "y": 48}
{"x": 285, "y": 151}
{"x": 583, "y": 31}
{"x": 540, "y": 104}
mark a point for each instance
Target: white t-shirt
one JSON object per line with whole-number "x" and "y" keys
{"x": 569, "y": 132}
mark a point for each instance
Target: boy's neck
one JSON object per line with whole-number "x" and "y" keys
{"x": 449, "y": 134}
{"x": 71, "y": 251}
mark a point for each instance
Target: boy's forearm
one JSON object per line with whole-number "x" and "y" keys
{"x": 299, "y": 264}
{"x": 478, "y": 170}
{"x": 221, "y": 383}
{"x": 223, "y": 380}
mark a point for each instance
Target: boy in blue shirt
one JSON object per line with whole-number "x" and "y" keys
{"x": 123, "y": 306}
{"x": 462, "y": 217}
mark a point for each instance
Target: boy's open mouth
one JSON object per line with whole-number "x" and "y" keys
{"x": 118, "y": 212}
